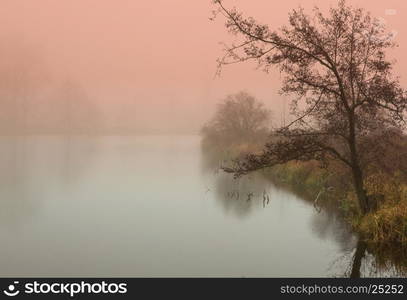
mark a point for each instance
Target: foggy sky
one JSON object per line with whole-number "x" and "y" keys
{"x": 151, "y": 64}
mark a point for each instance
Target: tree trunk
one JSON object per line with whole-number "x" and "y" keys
{"x": 356, "y": 169}
{"x": 359, "y": 189}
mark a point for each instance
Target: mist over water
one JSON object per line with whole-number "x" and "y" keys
{"x": 142, "y": 206}
{"x": 146, "y": 206}
{"x": 101, "y": 168}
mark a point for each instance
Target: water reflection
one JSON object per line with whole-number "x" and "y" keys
{"x": 241, "y": 196}
{"x": 77, "y": 154}
{"x": 32, "y": 167}
{"x": 356, "y": 257}
{"x": 15, "y": 204}
{"x": 147, "y": 206}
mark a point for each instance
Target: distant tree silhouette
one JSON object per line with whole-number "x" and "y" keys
{"x": 239, "y": 118}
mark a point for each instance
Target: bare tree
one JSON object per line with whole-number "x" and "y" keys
{"x": 240, "y": 117}
{"x": 335, "y": 67}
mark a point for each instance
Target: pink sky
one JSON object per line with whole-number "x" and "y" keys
{"x": 158, "y": 58}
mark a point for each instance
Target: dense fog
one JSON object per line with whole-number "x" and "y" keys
{"x": 103, "y": 67}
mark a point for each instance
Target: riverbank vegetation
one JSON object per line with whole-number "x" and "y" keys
{"x": 331, "y": 187}
{"x": 346, "y": 147}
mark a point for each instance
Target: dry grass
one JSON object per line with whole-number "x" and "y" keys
{"x": 387, "y": 224}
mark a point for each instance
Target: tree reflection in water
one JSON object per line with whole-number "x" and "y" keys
{"x": 357, "y": 260}
{"x": 243, "y": 196}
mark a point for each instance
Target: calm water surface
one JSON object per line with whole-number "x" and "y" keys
{"x": 150, "y": 206}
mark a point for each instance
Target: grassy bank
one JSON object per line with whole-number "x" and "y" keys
{"x": 386, "y": 224}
